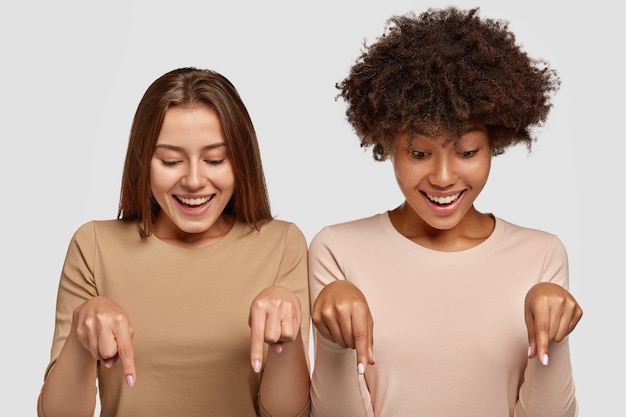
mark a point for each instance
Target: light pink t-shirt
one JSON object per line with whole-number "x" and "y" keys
{"x": 450, "y": 338}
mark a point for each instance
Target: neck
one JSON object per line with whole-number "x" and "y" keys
{"x": 470, "y": 231}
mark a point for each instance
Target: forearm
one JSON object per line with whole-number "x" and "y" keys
{"x": 284, "y": 389}
{"x": 70, "y": 387}
{"x": 548, "y": 390}
{"x": 337, "y": 389}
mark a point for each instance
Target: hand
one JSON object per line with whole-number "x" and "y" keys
{"x": 551, "y": 313}
{"x": 103, "y": 328}
{"x": 275, "y": 318}
{"x": 341, "y": 314}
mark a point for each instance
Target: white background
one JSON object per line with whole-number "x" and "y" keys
{"x": 73, "y": 72}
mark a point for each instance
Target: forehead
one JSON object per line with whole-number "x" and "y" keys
{"x": 444, "y": 136}
{"x": 452, "y": 129}
{"x": 195, "y": 124}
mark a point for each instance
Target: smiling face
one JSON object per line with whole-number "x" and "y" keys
{"x": 191, "y": 177}
{"x": 441, "y": 183}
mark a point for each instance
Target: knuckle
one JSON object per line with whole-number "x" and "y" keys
{"x": 316, "y": 319}
{"x": 108, "y": 351}
{"x": 359, "y": 335}
{"x": 289, "y": 335}
{"x": 125, "y": 351}
{"x": 542, "y": 327}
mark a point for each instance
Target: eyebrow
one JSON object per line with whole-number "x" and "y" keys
{"x": 180, "y": 149}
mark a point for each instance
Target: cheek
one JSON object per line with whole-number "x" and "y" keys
{"x": 483, "y": 172}
{"x": 160, "y": 179}
{"x": 405, "y": 172}
{"x": 224, "y": 178}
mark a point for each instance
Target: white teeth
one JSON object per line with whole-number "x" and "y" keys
{"x": 443, "y": 200}
{"x": 193, "y": 201}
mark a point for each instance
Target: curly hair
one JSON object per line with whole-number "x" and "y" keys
{"x": 432, "y": 72}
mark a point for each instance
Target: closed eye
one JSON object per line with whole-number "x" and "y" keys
{"x": 169, "y": 163}
{"x": 468, "y": 154}
{"x": 215, "y": 161}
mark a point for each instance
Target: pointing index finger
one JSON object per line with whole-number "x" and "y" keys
{"x": 126, "y": 356}
{"x": 257, "y": 342}
{"x": 363, "y": 336}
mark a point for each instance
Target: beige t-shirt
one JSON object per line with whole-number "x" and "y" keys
{"x": 189, "y": 311}
{"x": 450, "y": 338}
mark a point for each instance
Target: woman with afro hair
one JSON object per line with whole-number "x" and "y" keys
{"x": 472, "y": 312}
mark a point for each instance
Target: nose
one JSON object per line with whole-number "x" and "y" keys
{"x": 443, "y": 173}
{"x": 195, "y": 177}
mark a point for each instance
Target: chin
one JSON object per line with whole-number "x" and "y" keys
{"x": 447, "y": 224}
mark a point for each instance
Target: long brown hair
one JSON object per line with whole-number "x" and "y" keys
{"x": 191, "y": 86}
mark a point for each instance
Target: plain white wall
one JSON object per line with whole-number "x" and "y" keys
{"x": 73, "y": 72}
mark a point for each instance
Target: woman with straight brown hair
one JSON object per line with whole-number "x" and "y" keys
{"x": 169, "y": 309}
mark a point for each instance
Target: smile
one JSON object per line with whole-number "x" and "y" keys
{"x": 443, "y": 200}
{"x": 194, "y": 201}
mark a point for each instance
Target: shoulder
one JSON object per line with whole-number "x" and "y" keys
{"x": 274, "y": 240}
{"x": 275, "y": 230}
{"x": 521, "y": 236}
{"x": 353, "y": 232}
{"x": 277, "y": 225}
{"x": 106, "y": 229}
{"x": 522, "y": 232}
{"x": 362, "y": 225}
{"x": 528, "y": 246}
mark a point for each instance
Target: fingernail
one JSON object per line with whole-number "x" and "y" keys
{"x": 360, "y": 368}
{"x": 530, "y": 351}
{"x": 544, "y": 360}
{"x": 278, "y": 347}
{"x": 256, "y": 365}
{"x": 130, "y": 380}
{"x": 108, "y": 363}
